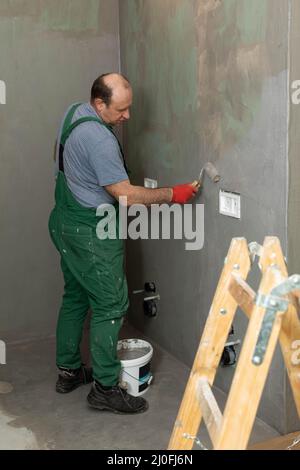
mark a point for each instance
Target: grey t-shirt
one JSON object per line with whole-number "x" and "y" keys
{"x": 92, "y": 159}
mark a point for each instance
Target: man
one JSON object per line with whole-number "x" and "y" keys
{"x": 91, "y": 172}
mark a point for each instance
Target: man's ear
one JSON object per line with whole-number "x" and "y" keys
{"x": 99, "y": 104}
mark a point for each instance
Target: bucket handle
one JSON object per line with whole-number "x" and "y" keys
{"x": 141, "y": 381}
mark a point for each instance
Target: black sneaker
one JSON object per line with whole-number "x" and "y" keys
{"x": 115, "y": 399}
{"x": 69, "y": 379}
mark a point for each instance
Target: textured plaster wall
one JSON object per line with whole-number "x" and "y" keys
{"x": 294, "y": 178}
{"x": 50, "y": 52}
{"x": 210, "y": 83}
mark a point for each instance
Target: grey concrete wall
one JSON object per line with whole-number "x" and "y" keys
{"x": 210, "y": 82}
{"x": 50, "y": 52}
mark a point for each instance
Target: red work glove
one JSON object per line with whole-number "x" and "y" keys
{"x": 183, "y": 193}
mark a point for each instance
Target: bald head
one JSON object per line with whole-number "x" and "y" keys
{"x": 114, "y": 80}
{"x": 107, "y": 85}
{"x": 111, "y": 97}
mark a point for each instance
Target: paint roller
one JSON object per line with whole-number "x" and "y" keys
{"x": 211, "y": 172}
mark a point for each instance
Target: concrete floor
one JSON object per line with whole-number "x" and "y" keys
{"x": 34, "y": 416}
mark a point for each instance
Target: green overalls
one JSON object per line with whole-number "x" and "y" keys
{"x": 94, "y": 277}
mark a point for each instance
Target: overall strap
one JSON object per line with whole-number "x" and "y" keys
{"x": 66, "y": 134}
{"x": 66, "y": 124}
{"x": 68, "y": 128}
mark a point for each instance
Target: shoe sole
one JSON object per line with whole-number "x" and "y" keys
{"x": 67, "y": 390}
{"x": 61, "y": 389}
{"x": 113, "y": 410}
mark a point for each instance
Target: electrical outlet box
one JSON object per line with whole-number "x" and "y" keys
{"x": 230, "y": 204}
{"x": 149, "y": 183}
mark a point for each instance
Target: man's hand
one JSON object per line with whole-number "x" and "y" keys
{"x": 184, "y": 192}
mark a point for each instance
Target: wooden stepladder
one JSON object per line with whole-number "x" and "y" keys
{"x": 273, "y": 316}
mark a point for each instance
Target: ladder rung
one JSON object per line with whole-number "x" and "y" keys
{"x": 210, "y": 410}
{"x": 242, "y": 293}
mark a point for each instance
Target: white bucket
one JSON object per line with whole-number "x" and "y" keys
{"x": 135, "y": 356}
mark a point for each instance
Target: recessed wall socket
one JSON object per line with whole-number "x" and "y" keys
{"x": 150, "y": 183}
{"x": 230, "y": 204}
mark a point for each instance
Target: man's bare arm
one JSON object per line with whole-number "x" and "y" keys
{"x": 140, "y": 195}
